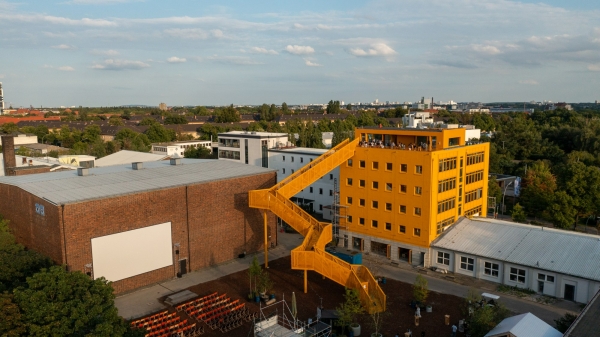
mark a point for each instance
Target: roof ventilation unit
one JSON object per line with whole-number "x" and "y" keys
{"x": 137, "y": 166}
{"x": 82, "y": 172}
{"x": 175, "y": 161}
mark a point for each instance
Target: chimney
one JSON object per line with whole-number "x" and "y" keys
{"x": 30, "y": 162}
{"x": 23, "y": 161}
{"x": 82, "y": 172}
{"x": 8, "y": 150}
{"x": 175, "y": 161}
{"x": 137, "y": 166}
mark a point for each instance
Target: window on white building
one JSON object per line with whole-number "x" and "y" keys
{"x": 443, "y": 258}
{"x": 466, "y": 263}
{"x": 547, "y": 278}
{"x": 517, "y": 275}
{"x": 491, "y": 269}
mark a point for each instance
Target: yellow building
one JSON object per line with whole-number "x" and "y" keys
{"x": 403, "y": 187}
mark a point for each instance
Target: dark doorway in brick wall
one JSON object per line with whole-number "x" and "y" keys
{"x": 183, "y": 266}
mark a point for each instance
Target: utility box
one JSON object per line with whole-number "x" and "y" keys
{"x": 349, "y": 256}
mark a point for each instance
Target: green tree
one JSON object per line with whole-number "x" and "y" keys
{"x": 201, "y": 111}
{"x": 60, "y": 303}
{"x": 148, "y": 121}
{"x": 538, "y": 189}
{"x": 91, "y": 134}
{"x": 199, "y": 153}
{"x": 116, "y": 121}
{"x": 16, "y": 262}
{"x": 494, "y": 190}
{"x": 284, "y": 108}
{"x": 157, "y": 133}
{"x": 128, "y": 139}
{"x": 486, "y": 318}
{"x": 175, "y": 119}
{"x": 348, "y": 311}
{"x": 563, "y": 323}
{"x": 562, "y": 210}
{"x": 333, "y": 107}
{"x": 11, "y": 324}
{"x": 9, "y": 128}
{"x": 420, "y": 289}
{"x": 518, "y": 214}
{"x": 228, "y": 115}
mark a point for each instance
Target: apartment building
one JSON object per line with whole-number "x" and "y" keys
{"x": 249, "y": 147}
{"x": 404, "y": 187}
{"x": 178, "y": 148}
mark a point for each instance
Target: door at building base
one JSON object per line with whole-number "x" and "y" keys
{"x": 569, "y": 292}
{"x": 183, "y": 266}
{"x": 405, "y": 254}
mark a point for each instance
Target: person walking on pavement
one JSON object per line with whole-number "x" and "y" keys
{"x": 454, "y": 328}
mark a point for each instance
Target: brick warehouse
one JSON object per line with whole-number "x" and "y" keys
{"x": 73, "y": 217}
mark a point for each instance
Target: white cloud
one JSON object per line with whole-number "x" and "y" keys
{"x": 260, "y": 50}
{"x": 66, "y": 68}
{"x": 176, "y": 59}
{"x": 377, "y": 49}
{"x": 64, "y": 47}
{"x": 311, "y": 63}
{"x": 187, "y": 33}
{"x": 486, "y": 49}
{"x": 112, "y": 64}
{"x": 217, "y": 33}
{"x": 109, "y": 52}
{"x": 594, "y": 67}
{"x": 237, "y": 60}
{"x": 529, "y": 82}
{"x": 2, "y": 76}
{"x": 299, "y": 50}
{"x": 37, "y": 18}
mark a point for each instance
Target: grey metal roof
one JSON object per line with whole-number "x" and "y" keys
{"x": 67, "y": 187}
{"x": 127, "y": 157}
{"x": 524, "y": 325}
{"x": 538, "y": 247}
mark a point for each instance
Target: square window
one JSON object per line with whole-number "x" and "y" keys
{"x": 443, "y": 258}
{"x": 550, "y": 278}
{"x": 402, "y": 188}
{"x": 403, "y": 209}
{"x": 349, "y": 200}
{"x": 417, "y": 210}
{"x": 466, "y": 263}
{"x": 283, "y": 170}
{"x": 418, "y": 190}
{"x": 388, "y": 226}
{"x": 517, "y": 275}
{"x": 348, "y": 163}
{"x": 362, "y": 164}
{"x": 283, "y": 158}
{"x": 361, "y": 183}
{"x": 320, "y": 191}
{"x": 311, "y": 189}
{"x": 292, "y": 159}
{"x": 331, "y": 177}
{"x": 388, "y": 186}
{"x": 402, "y": 229}
{"x": 375, "y": 185}
{"x": 542, "y": 277}
{"x": 292, "y": 171}
{"x": 350, "y": 218}
{"x": 331, "y": 193}
{"x": 388, "y": 206}
{"x": 374, "y": 204}
{"x": 388, "y": 166}
{"x": 361, "y": 221}
{"x": 403, "y": 168}
{"x": 417, "y": 232}
{"x": 418, "y": 169}
{"x": 301, "y": 159}
{"x": 491, "y": 269}
{"x": 349, "y": 181}
{"x": 361, "y": 202}
{"x": 375, "y": 165}
{"x": 374, "y": 223}
{"x": 320, "y": 207}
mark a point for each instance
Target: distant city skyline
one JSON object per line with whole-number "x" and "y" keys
{"x": 118, "y": 52}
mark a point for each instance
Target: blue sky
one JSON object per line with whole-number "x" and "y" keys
{"x": 187, "y": 52}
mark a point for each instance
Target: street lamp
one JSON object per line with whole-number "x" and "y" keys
{"x": 504, "y": 194}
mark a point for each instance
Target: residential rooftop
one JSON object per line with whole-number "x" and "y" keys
{"x": 125, "y": 157}
{"x": 528, "y": 245}
{"x": 68, "y": 187}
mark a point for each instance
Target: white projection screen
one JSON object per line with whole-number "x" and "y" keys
{"x": 131, "y": 253}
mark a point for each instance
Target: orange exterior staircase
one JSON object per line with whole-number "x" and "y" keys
{"x": 311, "y": 254}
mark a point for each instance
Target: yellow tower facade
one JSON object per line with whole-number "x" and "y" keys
{"x": 403, "y": 187}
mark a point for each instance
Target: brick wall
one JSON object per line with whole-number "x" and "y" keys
{"x": 212, "y": 218}
{"x": 41, "y": 233}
